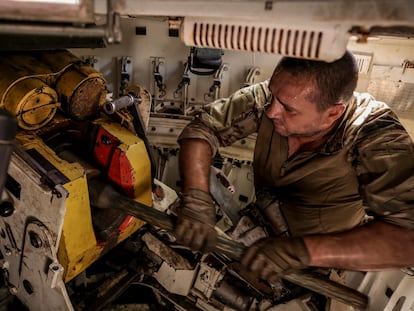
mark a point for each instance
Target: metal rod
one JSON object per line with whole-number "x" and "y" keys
{"x": 102, "y": 195}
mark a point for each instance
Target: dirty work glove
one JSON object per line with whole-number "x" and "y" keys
{"x": 196, "y": 221}
{"x": 273, "y": 257}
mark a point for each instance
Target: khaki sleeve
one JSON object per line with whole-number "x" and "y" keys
{"x": 386, "y": 170}
{"x": 227, "y": 120}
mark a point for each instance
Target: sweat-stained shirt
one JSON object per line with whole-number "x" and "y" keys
{"x": 365, "y": 166}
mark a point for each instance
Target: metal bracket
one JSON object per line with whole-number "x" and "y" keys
{"x": 158, "y": 90}
{"x": 125, "y": 69}
{"x": 214, "y": 91}
{"x": 251, "y": 76}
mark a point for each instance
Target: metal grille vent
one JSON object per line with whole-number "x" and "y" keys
{"x": 363, "y": 62}
{"x": 320, "y": 42}
{"x": 300, "y": 43}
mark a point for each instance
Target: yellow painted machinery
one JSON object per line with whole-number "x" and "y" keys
{"x": 33, "y": 85}
{"x": 50, "y": 232}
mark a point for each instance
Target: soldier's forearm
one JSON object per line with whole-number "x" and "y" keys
{"x": 376, "y": 245}
{"x": 194, "y": 161}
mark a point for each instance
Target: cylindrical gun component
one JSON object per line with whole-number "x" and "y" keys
{"x": 119, "y": 103}
{"x": 82, "y": 91}
{"x": 28, "y": 98}
{"x": 80, "y": 88}
{"x": 32, "y": 102}
{"x": 8, "y": 127}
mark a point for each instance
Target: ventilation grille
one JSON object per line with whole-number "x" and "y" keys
{"x": 363, "y": 62}
{"x": 257, "y": 37}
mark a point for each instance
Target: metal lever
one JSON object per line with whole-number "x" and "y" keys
{"x": 131, "y": 102}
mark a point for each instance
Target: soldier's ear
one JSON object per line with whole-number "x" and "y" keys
{"x": 335, "y": 112}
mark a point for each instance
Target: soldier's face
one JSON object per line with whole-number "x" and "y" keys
{"x": 291, "y": 111}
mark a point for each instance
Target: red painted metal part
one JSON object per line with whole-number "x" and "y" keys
{"x": 116, "y": 165}
{"x": 105, "y": 144}
{"x": 121, "y": 173}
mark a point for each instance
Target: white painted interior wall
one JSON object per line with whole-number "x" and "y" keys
{"x": 389, "y": 53}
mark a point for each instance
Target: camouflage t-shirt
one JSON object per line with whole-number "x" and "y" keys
{"x": 366, "y": 165}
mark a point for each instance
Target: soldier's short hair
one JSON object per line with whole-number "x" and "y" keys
{"x": 335, "y": 81}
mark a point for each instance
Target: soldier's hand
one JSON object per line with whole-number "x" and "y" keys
{"x": 272, "y": 257}
{"x": 196, "y": 221}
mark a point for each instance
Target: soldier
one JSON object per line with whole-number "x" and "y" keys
{"x": 327, "y": 156}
